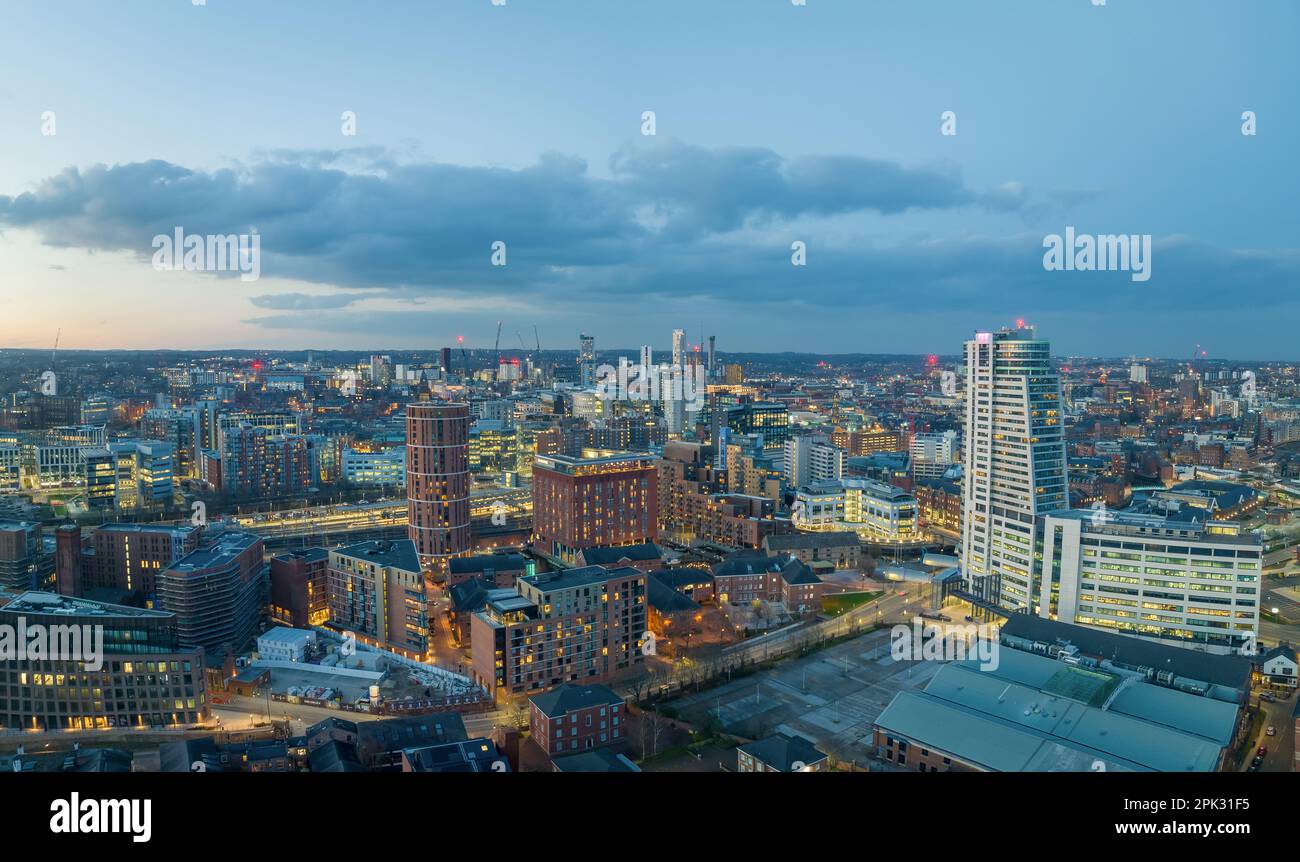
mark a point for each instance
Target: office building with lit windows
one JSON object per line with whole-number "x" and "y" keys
{"x": 493, "y": 447}
{"x": 769, "y": 419}
{"x": 1015, "y": 466}
{"x": 874, "y": 510}
{"x": 144, "y": 677}
{"x": 386, "y": 467}
{"x": 591, "y": 502}
{"x": 1160, "y": 570}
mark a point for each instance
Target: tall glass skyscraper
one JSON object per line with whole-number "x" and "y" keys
{"x": 586, "y": 361}
{"x": 1015, "y": 467}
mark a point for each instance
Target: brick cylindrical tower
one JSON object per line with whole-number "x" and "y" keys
{"x": 437, "y": 481}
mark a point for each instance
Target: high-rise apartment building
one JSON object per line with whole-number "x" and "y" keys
{"x": 586, "y": 361}
{"x": 257, "y": 462}
{"x": 128, "y": 557}
{"x": 578, "y": 625}
{"x": 215, "y": 592}
{"x": 24, "y": 565}
{"x": 593, "y": 502}
{"x": 1015, "y": 467}
{"x": 437, "y": 481}
{"x": 679, "y": 347}
{"x": 377, "y": 591}
{"x": 811, "y": 458}
{"x": 933, "y": 454}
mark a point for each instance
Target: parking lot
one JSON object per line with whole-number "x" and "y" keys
{"x": 831, "y": 697}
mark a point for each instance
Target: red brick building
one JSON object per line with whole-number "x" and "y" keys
{"x": 746, "y": 577}
{"x": 300, "y": 587}
{"x": 604, "y": 501}
{"x": 130, "y": 556}
{"x": 576, "y": 717}
{"x": 437, "y": 481}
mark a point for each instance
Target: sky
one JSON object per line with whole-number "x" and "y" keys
{"x": 774, "y": 124}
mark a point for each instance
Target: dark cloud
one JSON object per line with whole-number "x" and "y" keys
{"x": 671, "y": 221}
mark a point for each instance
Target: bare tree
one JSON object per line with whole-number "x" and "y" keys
{"x": 657, "y": 728}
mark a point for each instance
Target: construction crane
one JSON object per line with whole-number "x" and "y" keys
{"x": 496, "y": 348}
{"x": 524, "y": 348}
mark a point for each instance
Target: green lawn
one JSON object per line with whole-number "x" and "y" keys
{"x": 844, "y": 602}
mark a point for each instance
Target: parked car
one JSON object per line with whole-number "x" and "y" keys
{"x": 1254, "y": 767}
{"x": 1267, "y": 696}
{"x": 1272, "y": 731}
{"x": 1257, "y": 762}
{"x": 1262, "y": 751}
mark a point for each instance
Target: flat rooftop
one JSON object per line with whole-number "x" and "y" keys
{"x": 579, "y": 577}
{"x": 53, "y": 604}
{"x": 1021, "y": 716}
{"x": 221, "y": 551}
{"x": 399, "y": 554}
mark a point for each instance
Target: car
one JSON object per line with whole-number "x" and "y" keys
{"x": 1267, "y": 696}
{"x": 1262, "y": 751}
{"x": 1272, "y": 731}
{"x": 1254, "y": 767}
{"x": 1257, "y": 762}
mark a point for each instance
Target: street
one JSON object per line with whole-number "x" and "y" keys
{"x": 1281, "y": 748}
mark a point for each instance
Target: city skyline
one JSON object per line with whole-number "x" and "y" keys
{"x": 911, "y": 235}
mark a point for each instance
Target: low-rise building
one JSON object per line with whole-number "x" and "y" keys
{"x": 284, "y": 644}
{"x": 470, "y": 755}
{"x": 745, "y": 577}
{"x": 843, "y": 549}
{"x": 502, "y": 569}
{"x": 646, "y": 557}
{"x": 1048, "y": 705}
{"x": 576, "y": 717}
{"x": 1278, "y": 667}
{"x": 781, "y": 752}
